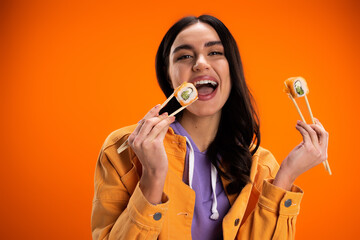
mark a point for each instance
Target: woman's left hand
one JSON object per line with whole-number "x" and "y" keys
{"x": 309, "y": 153}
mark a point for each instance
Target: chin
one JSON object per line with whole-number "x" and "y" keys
{"x": 203, "y": 111}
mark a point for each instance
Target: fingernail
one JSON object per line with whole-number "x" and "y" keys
{"x": 157, "y": 106}
{"x": 172, "y": 118}
{"x": 165, "y": 114}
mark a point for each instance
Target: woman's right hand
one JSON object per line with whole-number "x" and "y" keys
{"x": 147, "y": 143}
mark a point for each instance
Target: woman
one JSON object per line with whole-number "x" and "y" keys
{"x": 203, "y": 175}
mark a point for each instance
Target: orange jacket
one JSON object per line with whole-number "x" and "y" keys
{"x": 120, "y": 211}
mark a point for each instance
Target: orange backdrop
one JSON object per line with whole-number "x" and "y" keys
{"x": 71, "y": 73}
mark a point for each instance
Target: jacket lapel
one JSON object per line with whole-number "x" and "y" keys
{"x": 239, "y": 203}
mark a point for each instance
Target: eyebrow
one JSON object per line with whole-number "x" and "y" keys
{"x": 189, "y": 47}
{"x": 212, "y": 43}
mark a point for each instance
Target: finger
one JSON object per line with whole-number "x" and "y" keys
{"x": 323, "y": 140}
{"x": 152, "y": 113}
{"x": 313, "y": 136}
{"x": 148, "y": 126}
{"x": 322, "y": 134}
{"x": 161, "y": 128}
{"x": 304, "y": 133}
{"x": 319, "y": 123}
{"x": 136, "y": 131}
{"x": 162, "y": 133}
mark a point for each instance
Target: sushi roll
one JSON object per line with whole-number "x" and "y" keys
{"x": 186, "y": 94}
{"x": 296, "y": 86}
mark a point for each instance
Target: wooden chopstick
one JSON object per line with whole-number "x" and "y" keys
{"x": 325, "y": 163}
{"x": 125, "y": 144}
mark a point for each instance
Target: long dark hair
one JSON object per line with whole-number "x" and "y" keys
{"x": 239, "y": 124}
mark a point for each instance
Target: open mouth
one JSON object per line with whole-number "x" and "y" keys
{"x": 205, "y": 87}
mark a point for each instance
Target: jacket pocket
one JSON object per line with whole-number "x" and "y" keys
{"x": 130, "y": 179}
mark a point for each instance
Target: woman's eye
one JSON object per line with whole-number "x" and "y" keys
{"x": 215, "y": 53}
{"x": 184, "y": 57}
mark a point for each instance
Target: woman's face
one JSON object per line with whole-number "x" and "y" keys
{"x": 197, "y": 56}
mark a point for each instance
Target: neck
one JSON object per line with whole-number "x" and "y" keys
{"x": 202, "y": 130}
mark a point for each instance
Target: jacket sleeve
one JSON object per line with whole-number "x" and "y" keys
{"x": 274, "y": 215}
{"x": 120, "y": 210}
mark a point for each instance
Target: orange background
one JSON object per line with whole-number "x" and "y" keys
{"x": 71, "y": 73}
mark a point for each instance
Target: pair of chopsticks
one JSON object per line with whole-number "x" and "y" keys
{"x": 125, "y": 144}
{"x": 325, "y": 163}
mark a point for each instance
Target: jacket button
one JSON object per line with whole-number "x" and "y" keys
{"x": 288, "y": 203}
{"x": 237, "y": 221}
{"x": 157, "y": 216}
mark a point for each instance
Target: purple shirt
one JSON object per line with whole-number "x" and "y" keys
{"x": 202, "y": 226}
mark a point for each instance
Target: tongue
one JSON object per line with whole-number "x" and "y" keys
{"x": 204, "y": 90}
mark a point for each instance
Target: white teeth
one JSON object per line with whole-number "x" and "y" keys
{"x": 205, "y": 82}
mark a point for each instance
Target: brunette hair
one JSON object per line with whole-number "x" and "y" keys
{"x": 238, "y": 135}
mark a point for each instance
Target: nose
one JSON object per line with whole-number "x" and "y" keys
{"x": 200, "y": 64}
